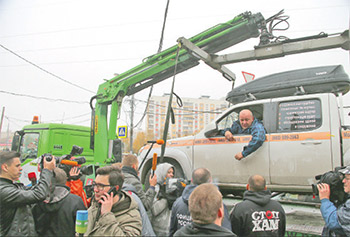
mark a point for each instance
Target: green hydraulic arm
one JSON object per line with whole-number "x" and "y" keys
{"x": 157, "y": 68}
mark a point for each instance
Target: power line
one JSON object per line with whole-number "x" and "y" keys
{"x": 82, "y": 61}
{"x": 69, "y": 118}
{"x": 44, "y": 98}
{"x": 83, "y": 46}
{"x": 190, "y": 110}
{"x": 60, "y": 78}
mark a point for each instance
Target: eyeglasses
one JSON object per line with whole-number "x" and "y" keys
{"x": 99, "y": 187}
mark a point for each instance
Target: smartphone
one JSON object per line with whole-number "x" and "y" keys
{"x": 113, "y": 189}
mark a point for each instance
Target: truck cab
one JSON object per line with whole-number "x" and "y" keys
{"x": 57, "y": 139}
{"x": 304, "y": 135}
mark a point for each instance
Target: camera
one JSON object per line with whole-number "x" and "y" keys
{"x": 76, "y": 150}
{"x": 335, "y": 181}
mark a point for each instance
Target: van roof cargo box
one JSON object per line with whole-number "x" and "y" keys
{"x": 327, "y": 79}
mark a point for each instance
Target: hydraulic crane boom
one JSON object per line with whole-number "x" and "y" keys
{"x": 157, "y": 68}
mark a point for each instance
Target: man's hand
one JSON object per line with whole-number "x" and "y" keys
{"x": 229, "y": 136}
{"x": 74, "y": 173}
{"x": 323, "y": 191}
{"x": 50, "y": 165}
{"x": 239, "y": 156}
{"x": 107, "y": 201}
{"x": 153, "y": 180}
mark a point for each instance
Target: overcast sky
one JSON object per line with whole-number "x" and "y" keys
{"x": 84, "y": 42}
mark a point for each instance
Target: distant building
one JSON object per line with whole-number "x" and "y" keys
{"x": 189, "y": 119}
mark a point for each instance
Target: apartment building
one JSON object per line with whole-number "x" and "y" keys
{"x": 189, "y": 119}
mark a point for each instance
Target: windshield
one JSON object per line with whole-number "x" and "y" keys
{"x": 29, "y": 146}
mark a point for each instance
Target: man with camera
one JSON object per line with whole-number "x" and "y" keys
{"x": 337, "y": 219}
{"x": 15, "y": 199}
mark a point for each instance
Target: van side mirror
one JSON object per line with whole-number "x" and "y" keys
{"x": 211, "y": 130}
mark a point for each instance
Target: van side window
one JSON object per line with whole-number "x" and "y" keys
{"x": 300, "y": 115}
{"x": 228, "y": 120}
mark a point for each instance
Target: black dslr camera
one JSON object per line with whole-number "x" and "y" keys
{"x": 335, "y": 181}
{"x": 76, "y": 150}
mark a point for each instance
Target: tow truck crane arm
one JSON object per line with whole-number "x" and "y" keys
{"x": 157, "y": 68}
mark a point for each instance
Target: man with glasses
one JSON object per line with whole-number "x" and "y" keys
{"x": 337, "y": 219}
{"x": 115, "y": 213}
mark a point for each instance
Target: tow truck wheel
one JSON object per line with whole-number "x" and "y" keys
{"x": 178, "y": 171}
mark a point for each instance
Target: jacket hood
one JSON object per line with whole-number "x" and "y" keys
{"x": 59, "y": 193}
{"x": 187, "y": 192}
{"x": 261, "y": 198}
{"x": 162, "y": 170}
{"x": 124, "y": 204}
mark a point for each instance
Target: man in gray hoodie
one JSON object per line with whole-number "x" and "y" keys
{"x": 160, "y": 210}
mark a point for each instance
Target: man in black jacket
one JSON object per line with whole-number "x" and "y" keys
{"x": 207, "y": 211}
{"x": 57, "y": 217}
{"x": 258, "y": 215}
{"x": 180, "y": 214}
{"x": 15, "y": 199}
{"x": 130, "y": 168}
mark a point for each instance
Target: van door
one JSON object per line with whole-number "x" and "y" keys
{"x": 300, "y": 146}
{"x": 217, "y": 154}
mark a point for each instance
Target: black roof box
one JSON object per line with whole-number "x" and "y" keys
{"x": 326, "y": 79}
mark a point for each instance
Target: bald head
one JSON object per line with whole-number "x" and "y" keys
{"x": 256, "y": 183}
{"x": 201, "y": 176}
{"x": 246, "y": 118}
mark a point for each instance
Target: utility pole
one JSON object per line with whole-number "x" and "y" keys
{"x": 131, "y": 122}
{"x": 2, "y": 119}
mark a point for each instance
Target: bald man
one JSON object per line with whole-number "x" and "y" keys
{"x": 247, "y": 124}
{"x": 258, "y": 214}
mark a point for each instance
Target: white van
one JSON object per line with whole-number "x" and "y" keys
{"x": 305, "y": 135}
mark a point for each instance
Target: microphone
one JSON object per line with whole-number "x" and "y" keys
{"x": 32, "y": 178}
{"x": 154, "y": 162}
{"x": 81, "y": 222}
{"x": 159, "y": 141}
{"x": 69, "y": 162}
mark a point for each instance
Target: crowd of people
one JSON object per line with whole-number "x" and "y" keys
{"x": 120, "y": 206}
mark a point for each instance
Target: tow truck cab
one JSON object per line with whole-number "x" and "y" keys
{"x": 305, "y": 136}
{"x": 57, "y": 139}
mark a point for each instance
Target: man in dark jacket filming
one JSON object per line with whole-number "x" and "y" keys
{"x": 258, "y": 214}
{"x": 15, "y": 199}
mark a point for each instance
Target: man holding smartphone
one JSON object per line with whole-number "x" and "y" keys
{"x": 113, "y": 211}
